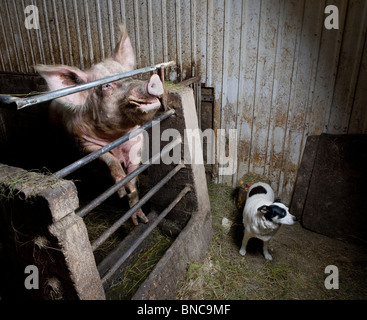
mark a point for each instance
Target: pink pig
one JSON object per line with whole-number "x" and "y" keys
{"x": 96, "y": 117}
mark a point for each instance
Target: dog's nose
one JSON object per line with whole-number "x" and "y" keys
{"x": 295, "y": 219}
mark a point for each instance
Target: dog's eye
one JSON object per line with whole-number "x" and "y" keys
{"x": 278, "y": 211}
{"x": 282, "y": 213}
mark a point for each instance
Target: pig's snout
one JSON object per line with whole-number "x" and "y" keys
{"x": 155, "y": 86}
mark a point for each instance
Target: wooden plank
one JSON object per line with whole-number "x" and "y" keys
{"x": 326, "y": 71}
{"x": 178, "y": 39}
{"x": 334, "y": 205}
{"x": 94, "y": 47}
{"x": 27, "y": 40}
{"x": 156, "y": 31}
{"x": 63, "y": 39}
{"x": 304, "y": 177}
{"x": 89, "y": 37}
{"x": 2, "y": 60}
{"x": 16, "y": 11}
{"x": 81, "y": 36}
{"x": 247, "y": 82}
{"x": 348, "y": 68}
{"x": 25, "y": 52}
{"x": 38, "y": 36}
{"x": 54, "y": 26}
{"x": 215, "y": 58}
{"x": 50, "y": 23}
{"x": 164, "y": 31}
{"x": 215, "y": 51}
{"x": 183, "y": 39}
{"x": 303, "y": 86}
{"x": 111, "y": 9}
{"x": 103, "y": 32}
{"x": 65, "y": 33}
{"x": 150, "y": 31}
{"x": 144, "y": 40}
{"x": 358, "y": 119}
{"x": 5, "y": 52}
{"x": 10, "y": 38}
{"x": 264, "y": 84}
{"x": 231, "y": 60}
{"x": 170, "y": 11}
{"x": 199, "y": 61}
{"x": 193, "y": 39}
{"x": 289, "y": 28}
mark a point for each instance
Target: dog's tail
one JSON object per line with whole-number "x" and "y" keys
{"x": 240, "y": 195}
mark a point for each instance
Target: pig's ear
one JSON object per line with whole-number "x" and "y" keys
{"x": 59, "y": 77}
{"x": 124, "y": 53}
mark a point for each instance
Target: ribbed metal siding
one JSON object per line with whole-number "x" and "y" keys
{"x": 278, "y": 74}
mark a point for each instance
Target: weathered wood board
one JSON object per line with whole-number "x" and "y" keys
{"x": 330, "y": 191}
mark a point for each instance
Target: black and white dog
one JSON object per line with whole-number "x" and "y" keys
{"x": 262, "y": 217}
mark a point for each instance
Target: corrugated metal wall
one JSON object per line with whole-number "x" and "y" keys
{"x": 279, "y": 75}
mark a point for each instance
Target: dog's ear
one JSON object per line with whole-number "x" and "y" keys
{"x": 267, "y": 211}
{"x": 264, "y": 209}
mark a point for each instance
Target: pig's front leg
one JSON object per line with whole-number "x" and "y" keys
{"x": 118, "y": 173}
{"x": 134, "y": 198}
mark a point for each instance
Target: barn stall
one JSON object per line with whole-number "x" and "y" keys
{"x": 271, "y": 75}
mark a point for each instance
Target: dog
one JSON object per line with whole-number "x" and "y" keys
{"x": 262, "y": 216}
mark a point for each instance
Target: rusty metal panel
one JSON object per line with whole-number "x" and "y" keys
{"x": 278, "y": 74}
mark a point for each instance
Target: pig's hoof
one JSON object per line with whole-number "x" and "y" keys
{"x": 139, "y": 215}
{"x": 143, "y": 217}
{"x": 121, "y": 192}
{"x": 135, "y": 219}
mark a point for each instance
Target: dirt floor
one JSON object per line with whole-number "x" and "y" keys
{"x": 297, "y": 270}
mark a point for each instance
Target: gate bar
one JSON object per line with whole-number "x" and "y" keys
{"x": 26, "y": 102}
{"x": 82, "y": 212}
{"x": 163, "y": 214}
{"x": 137, "y": 206}
{"x": 94, "y": 155}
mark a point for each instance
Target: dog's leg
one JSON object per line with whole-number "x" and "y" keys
{"x": 245, "y": 240}
{"x": 267, "y": 255}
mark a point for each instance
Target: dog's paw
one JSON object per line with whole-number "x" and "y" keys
{"x": 242, "y": 252}
{"x": 268, "y": 256}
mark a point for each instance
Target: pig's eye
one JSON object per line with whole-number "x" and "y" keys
{"x": 106, "y": 86}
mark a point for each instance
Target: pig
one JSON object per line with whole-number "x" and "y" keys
{"x": 98, "y": 116}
